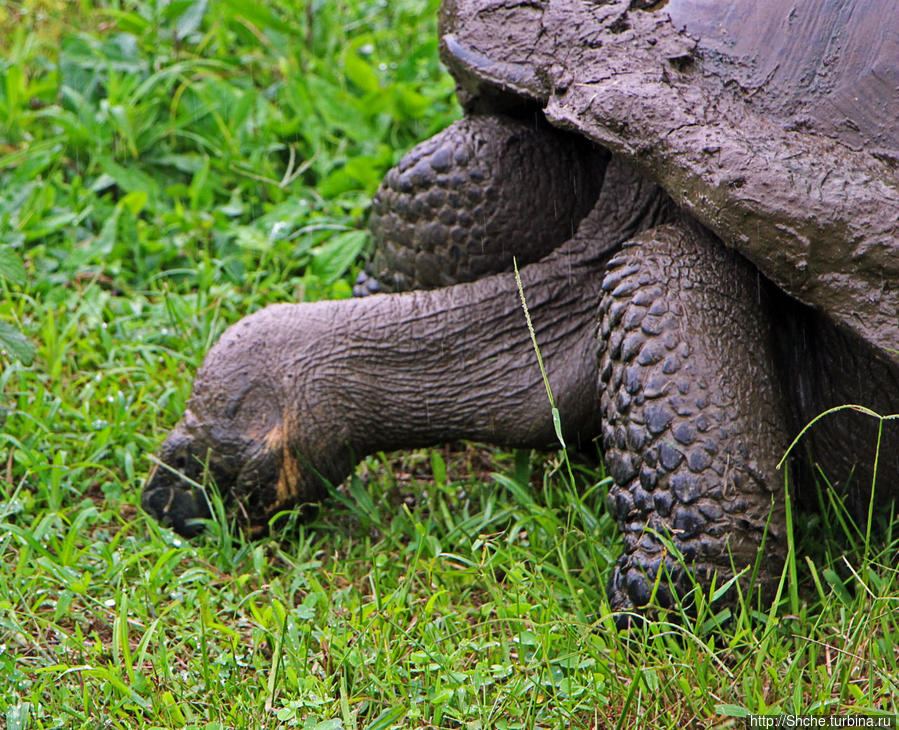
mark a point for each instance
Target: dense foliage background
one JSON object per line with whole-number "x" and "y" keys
{"x": 166, "y": 168}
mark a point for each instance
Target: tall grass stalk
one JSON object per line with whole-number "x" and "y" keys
{"x": 557, "y": 420}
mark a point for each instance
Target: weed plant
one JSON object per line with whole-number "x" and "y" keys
{"x": 166, "y": 168}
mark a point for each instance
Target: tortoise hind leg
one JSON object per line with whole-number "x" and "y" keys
{"x": 461, "y": 204}
{"x": 693, "y": 417}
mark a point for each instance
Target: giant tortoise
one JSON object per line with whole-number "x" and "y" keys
{"x": 704, "y": 201}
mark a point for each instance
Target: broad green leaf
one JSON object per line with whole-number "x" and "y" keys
{"x": 52, "y": 223}
{"x": 331, "y": 260}
{"x": 175, "y": 9}
{"x": 260, "y": 16}
{"x": 409, "y": 103}
{"x": 11, "y": 267}
{"x": 387, "y": 719}
{"x": 128, "y": 22}
{"x": 359, "y": 173}
{"x": 837, "y": 585}
{"x": 15, "y": 86}
{"x": 18, "y": 716}
{"x": 335, "y": 724}
{"x": 191, "y": 18}
{"x": 16, "y": 344}
{"x": 361, "y": 73}
{"x": 131, "y": 179}
{"x": 28, "y": 163}
{"x": 135, "y": 201}
{"x": 105, "y": 241}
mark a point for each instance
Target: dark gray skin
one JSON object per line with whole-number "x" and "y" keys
{"x": 741, "y": 247}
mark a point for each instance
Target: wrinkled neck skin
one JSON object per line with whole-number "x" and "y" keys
{"x": 343, "y": 379}
{"x": 461, "y": 363}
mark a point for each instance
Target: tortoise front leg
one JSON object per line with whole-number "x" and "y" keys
{"x": 693, "y": 416}
{"x": 460, "y": 205}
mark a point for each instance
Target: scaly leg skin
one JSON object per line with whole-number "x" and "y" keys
{"x": 461, "y": 204}
{"x": 693, "y": 418}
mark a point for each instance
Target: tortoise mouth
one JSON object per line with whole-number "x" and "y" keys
{"x": 175, "y": 491}
{"x": 172, "y": 501}
{"x": 252, "y": 479}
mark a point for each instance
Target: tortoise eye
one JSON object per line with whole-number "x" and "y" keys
{"x": 179, "y": 461}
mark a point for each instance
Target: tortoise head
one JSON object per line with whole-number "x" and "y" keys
{"x": 233, "y": 440}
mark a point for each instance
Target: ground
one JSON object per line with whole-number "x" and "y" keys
{"x": 166, "y": 168}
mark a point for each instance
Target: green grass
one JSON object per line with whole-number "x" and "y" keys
{"x": 166, "y": 168}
